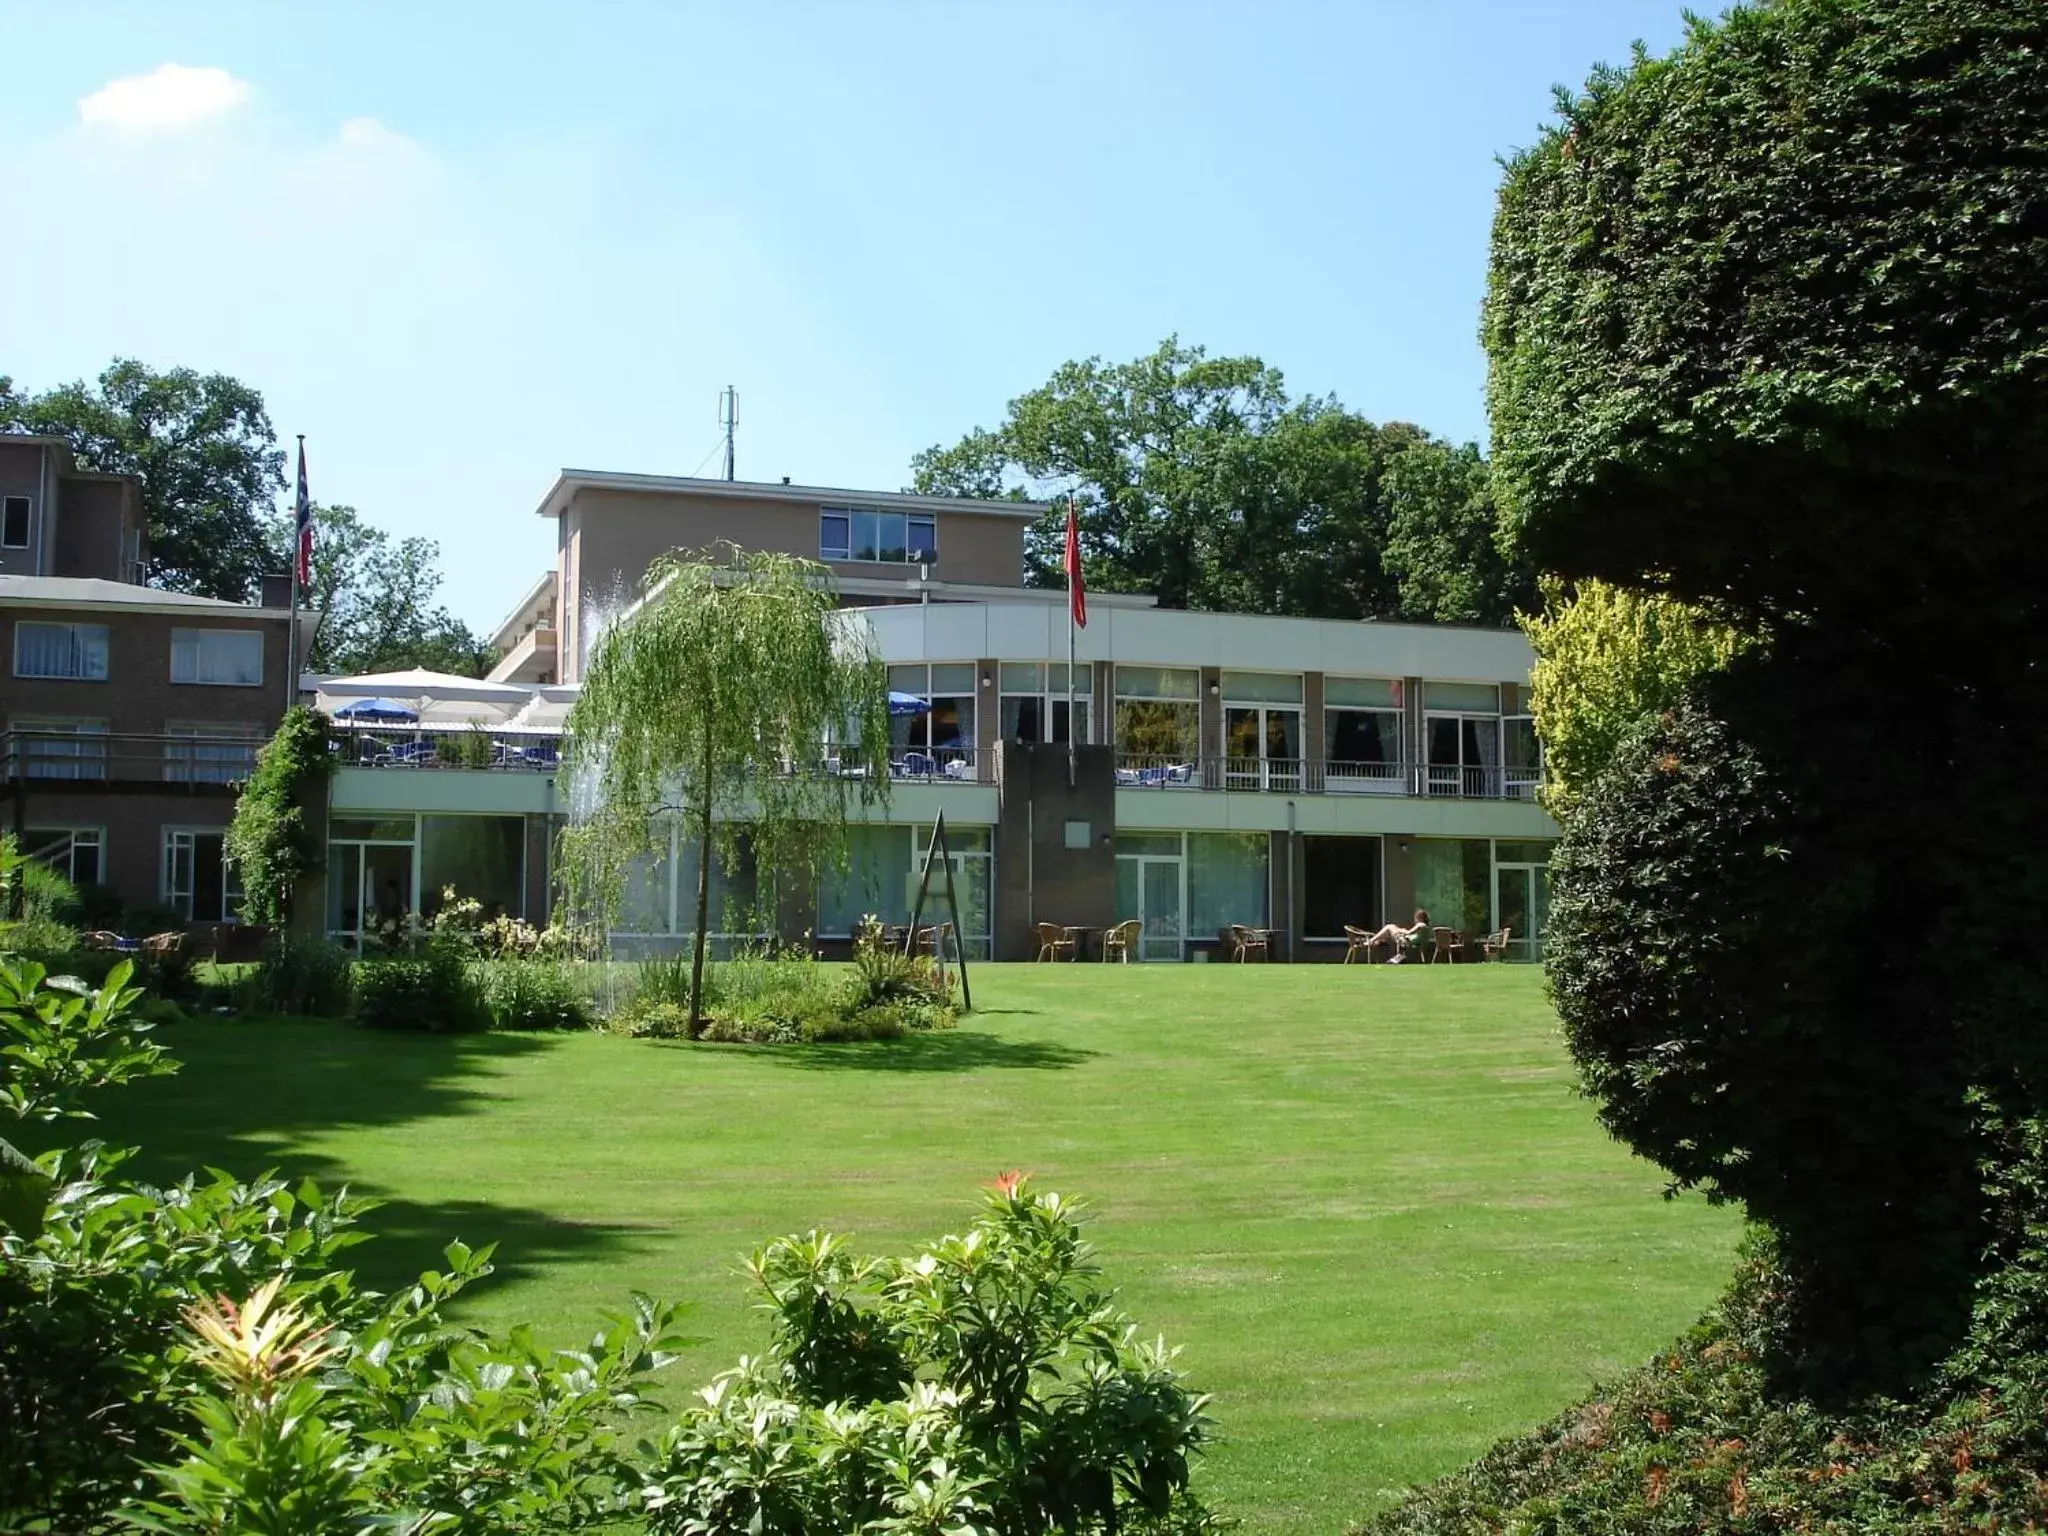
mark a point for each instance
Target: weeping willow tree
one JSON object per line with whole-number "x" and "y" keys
{"x": 713, "y": 701}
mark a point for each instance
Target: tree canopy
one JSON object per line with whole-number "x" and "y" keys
{"x": 713, "y": 700}
{"x": 206, "y": 454}
{"x": 1197, "y": 479}
{"x": 378, "y": 599}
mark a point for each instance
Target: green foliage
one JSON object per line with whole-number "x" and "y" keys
{"x": 1197, "y": 479}
{"x": 1766, "y": 319}
{"x": 302, "y": 975}
{"x": 1608, "y": 659}
{"x": 91, "y": 1379}
{"x": 434, "y": 987}
{"x": 531, "y": 994}
{"x": 207, "y": 456}
{"x": 378, "y": 599}
{"x": 721, "y": 690}
{"x": 985, "y": 1384}
{"x": 882, "y": 974}
{"x": 269, "y": 841}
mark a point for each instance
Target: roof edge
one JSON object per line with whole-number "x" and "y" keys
{"x": 572, "y": 480}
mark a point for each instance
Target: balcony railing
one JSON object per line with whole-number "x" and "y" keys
{"x": 448, "y": 746}
{"x": 103, "y": 757}
{"x": 911, "y": 765}
{"x": 1295, "y": 776}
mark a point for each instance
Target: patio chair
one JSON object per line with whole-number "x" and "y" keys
{"x": 931, "y": 939}
{"x": 161, "y": 945}
{"x": 1495, "y": 945}
{"x": 1246, "y": 942}
{"x": 100, "y": 938}
{"x": 1447, "y": 945}
{"x": 1359, "y": 941}
{"x": 1119, "y": 942}
{"x": 1053, "y": 940}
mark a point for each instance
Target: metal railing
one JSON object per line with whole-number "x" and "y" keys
{"x": 911, "y": 765}
{"x": 105, "y": 757}
{"x": 376, "y": 745}
{"x": 1331, "y": 776}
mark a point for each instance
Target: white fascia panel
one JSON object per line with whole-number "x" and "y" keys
{"x": 443, "y": 791}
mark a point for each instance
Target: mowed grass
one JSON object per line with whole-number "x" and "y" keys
{"x": 1367, "y": 1202}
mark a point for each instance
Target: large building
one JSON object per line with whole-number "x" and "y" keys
{"x": 126, "y": 713}
{"x": 1294, "y": 775}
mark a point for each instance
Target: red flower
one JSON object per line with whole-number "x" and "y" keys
{"x": 1007, "y": 1184}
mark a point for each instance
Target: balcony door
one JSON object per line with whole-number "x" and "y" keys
{"x": 1261, "y": 747}
{"x": 1463, "y": 755}
{"x": 1521, "y": 903}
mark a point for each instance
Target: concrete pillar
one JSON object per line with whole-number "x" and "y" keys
{"x": 1413, "y": 747}
{"x": 988, "y": 719}
{"x": 1038, "y": 877}
{"x": 1315, "y": 747}
{"x": 538, "y": 895}
{"x": 1209, "y": 729}
{"x": 1397, "y": 861}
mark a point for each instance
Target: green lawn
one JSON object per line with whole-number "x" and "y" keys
{"x": 1366, "y": 1201}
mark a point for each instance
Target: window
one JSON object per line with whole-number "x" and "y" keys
{"x": 887, "y": 538}
{"x": 14, "y": 522}
{"x": 199, "y": 883}
{"x": 223, "y": 658}
{"x": 58, "y": 749}
{"x": 74, "y": 651}
{"x": 1034, "y": 700}
{"x": 1362, "y": 736}
{"x": 76, "y": 853}
{"x": 944, "y": 734}
{"x": 1157, "y": 718}
{"x": 1523, "y": 754}
{"x": 208, "y": 753}
{"x": 881, "y": 877}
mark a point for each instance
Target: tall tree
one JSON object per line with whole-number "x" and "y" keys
{"x": 204, "y": 449}
{"x": 378, "y": 599}
{"x": 1197, "y": 480}
{"x": 712, "y": 701}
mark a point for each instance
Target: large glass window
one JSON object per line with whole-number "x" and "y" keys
{"x": 482, "y": 857}
{"x": 1454, "y": 882}
{"x": 209, "y": 753}
{"x": 198, "y": 882}
{"x": 660, "y": 895}
{"x": 76, "y": 853}
{"x": 14, "y": 522}
{"x": 1034, "y": 700}
{"x": 888, "y": 538}
{"x": 221, "y": 658}
{"x": 1522, "y": 757}
{"x": 1464, "y": 755}
{"x": 880, "y": 880}
{"x": 1340, "y": 885}
{"x": 939, "y": 740}
{"x": 1362, "y": 736}
{"x": 74, "y": 652}
{"x": 1158, "y": 722}
{"x": 1227, "y": 881}
{"x": 369, "y": 876}
{"x": 1262, "y": 730}
{"x": 59, "y": 749}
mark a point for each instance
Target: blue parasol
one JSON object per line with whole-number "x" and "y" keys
{"x": 908, "y": 704}
{"x": 376, "y": 709}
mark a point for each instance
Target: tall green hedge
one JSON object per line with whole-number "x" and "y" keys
{"x": 1768, "y": 333}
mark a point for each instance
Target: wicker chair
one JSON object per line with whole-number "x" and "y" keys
{"x": 1359, "y": 941}
{"x": 1054, "y": 942}
{"x": 1247, "y": 942}
{"x": 161, "y": 945}
{"x": 1447, "y": 945}
{"x": 1494, "y": 946}
{"x": 1119, "y": 942}
{"x": 100, "y": 938}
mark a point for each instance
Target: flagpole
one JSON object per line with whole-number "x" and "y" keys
{"x": 291, "y": 649}
{"x": 1073, "y": 564}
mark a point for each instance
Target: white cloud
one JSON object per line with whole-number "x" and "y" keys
{"x": 169, "y": 97}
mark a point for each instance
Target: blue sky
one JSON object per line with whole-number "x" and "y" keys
{"x": 460, "y": 245}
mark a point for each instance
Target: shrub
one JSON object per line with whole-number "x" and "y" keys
{"x": 986, "y": 1383}
{"x": 433, "y": 989}
{"x": 300, "y": 974}
{"x": 655, "y": 1021}
{"x": 531, "y": 994}
{"x": 883, "y": 974}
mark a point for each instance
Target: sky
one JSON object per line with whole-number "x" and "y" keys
{"x": 463, "y": 244}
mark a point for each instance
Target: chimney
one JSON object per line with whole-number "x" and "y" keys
{"x": 276, "y": 590}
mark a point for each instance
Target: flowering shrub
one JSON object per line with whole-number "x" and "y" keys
{"x": 987, "y": 1383}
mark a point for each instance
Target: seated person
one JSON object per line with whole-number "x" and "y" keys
{"x": 1401, "y": 938}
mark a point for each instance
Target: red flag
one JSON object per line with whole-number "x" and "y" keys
{"x": 302, "y": 519}
{"x": 1077, "y": 594}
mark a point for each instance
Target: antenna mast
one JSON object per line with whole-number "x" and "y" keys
{"x": 729, "y": 418}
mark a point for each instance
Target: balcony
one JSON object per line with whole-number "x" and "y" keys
{"x": 429, "y": 747}
{"x": 1304, "y": 776}
{"x": 83, "y": 759}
